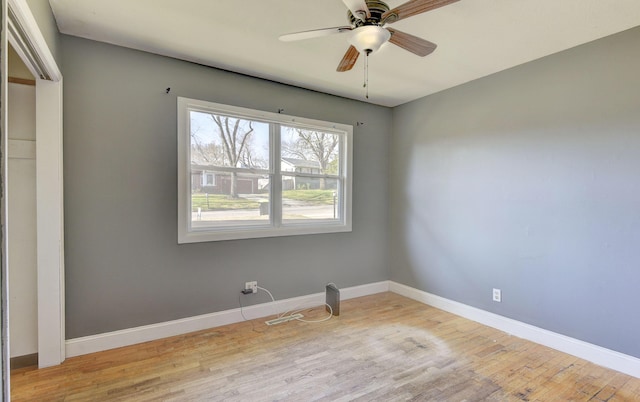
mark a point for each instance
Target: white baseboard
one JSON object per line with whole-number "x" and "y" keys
{"x": 596, "y": 354}
{"x": 131, "y": 336}
{"x": 593, "y": 353}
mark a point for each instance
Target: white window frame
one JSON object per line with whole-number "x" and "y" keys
{"x": 274, "y": 227}
{"x": 205, "y": 176}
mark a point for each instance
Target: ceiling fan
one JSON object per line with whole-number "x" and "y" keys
{"x": 367, "y": 19}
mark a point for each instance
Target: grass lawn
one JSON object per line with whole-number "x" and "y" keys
{"x": 219, "y": 202}
{"x": 313, "y": 197}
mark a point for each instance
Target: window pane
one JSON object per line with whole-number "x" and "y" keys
{"x": 309, "y": 199}
{"x": 309, "y": 151}
{"x": 213, "y": 205}
{"x": 218, "y": 140}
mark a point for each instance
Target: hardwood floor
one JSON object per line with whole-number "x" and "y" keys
{"x": 381, "y": 348}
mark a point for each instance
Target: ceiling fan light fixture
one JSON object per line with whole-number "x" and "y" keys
{"x": 369, "y": 38}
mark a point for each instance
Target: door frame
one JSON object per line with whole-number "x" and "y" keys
{"x": 22, "y": 28}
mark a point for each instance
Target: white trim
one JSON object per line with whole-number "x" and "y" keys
{"x": 50, "y": 222}
{"x": 364, "y": 290}
{"x": 28, "y": 42}
{"x": 131, "y": 336}
{"x": 596, "y": 354}
{"x": 5, "y": 355}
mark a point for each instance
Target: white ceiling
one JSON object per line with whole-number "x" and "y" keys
{"x": 475, "y": 38}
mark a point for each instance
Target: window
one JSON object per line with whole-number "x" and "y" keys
{"x": 244, "y": 173}
{"x": 208, "y": 179}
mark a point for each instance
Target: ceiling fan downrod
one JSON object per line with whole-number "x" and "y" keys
{"x": 366, "y": 72}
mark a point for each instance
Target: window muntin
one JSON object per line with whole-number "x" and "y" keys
{"x": 259, "y": 174}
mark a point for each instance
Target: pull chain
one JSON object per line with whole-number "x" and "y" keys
{"x": 366, "y": 73}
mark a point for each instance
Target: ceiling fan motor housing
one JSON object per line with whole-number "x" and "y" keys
{"x": 376, "y": 9}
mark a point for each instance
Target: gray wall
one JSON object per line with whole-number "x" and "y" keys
{"x": 524, "y": 181}
{"x": 43, "y": 15}
{"x": 528, "y": 181}
{"x": 124, "y": 267}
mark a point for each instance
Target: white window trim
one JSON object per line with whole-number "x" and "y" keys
{"x": 205, "y": 176}
{"x": 268, "y": 229}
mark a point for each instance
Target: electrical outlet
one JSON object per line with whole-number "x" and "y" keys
{"x": 253, "y": 286}
{"x": 497, "y": 295}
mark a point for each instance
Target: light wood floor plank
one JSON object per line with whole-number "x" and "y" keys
{"x": 383, "y": 347}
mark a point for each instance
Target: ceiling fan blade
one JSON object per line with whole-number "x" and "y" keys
{"x": 411, "y": 43}
{"x": 349, "y": 59}
{"x": 316, "y": 33}
{"x": 413, "y": 7}
{"x": 358, "y": 8}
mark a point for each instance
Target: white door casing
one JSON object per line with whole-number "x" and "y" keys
{"x": 27, "y": 40}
